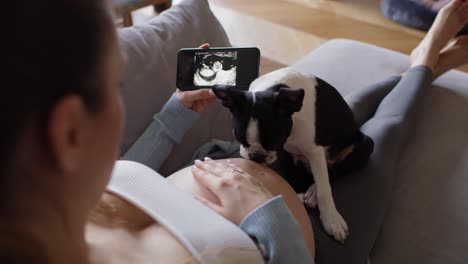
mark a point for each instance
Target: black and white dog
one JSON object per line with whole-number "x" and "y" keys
{"x": 289, "y": 117}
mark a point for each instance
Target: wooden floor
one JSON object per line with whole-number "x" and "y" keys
{"x": 286, "y": 30}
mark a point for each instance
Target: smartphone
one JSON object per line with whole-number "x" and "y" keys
{"x": 203, "y": 68}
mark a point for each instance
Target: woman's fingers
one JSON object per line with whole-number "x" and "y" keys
{"x": 205, "y": 46}
{"x": 228, "y": 171}
{"x": 201, "y": 94}
{"x": 216, "y": 168}
{"x": 208, "y": 159}
{"x": 212, "y": 182}
{"x": 197, "y": 100}
{"x": 208, "y": 167}
{"x": 235, "y": 167}
{"x": 238, "y": 192}
{"x": 216, "y": 176}
{"x": 201, "y": 105}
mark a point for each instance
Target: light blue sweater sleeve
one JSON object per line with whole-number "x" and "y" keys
{"x": 276, "y": 229}
{"x": 167, "y": 128}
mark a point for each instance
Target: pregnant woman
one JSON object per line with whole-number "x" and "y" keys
{"x": 62, "y": 124}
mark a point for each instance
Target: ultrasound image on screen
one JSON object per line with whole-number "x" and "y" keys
{"x": 215, "y": 68}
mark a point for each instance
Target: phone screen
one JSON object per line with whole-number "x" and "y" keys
{"x": 204, "y": 68}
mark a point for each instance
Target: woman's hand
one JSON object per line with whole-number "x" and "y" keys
{"x": 197, "y": 100}
{"x": 238, "y": 192}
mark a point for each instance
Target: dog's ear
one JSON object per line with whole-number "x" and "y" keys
{"x": 289, "y": 100}
{"x": 229, "y": 95}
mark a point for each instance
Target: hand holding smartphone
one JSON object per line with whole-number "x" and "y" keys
{"x": 203, "y": 68}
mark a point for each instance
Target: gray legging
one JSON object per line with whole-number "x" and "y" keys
{"x": 386, "y": 113}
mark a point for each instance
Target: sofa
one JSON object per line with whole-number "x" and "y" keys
{"x": 426, "y": 211}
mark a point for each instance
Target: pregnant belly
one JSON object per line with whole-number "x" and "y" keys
{"x": 185, "y": 181}
{"x": 119, "y": 232}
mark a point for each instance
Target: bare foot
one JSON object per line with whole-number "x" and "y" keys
{"x": 435, "y": 5}
{"x": 452, "y": 56}
{"x": 450, "y": 19}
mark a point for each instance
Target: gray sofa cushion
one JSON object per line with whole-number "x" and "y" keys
{"x": 427, "y": 219}
{"x": 150, "y": 75}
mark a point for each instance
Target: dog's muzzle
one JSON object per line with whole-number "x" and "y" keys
{"x": 258, "y": 157}
{"x": 262, "y": 157}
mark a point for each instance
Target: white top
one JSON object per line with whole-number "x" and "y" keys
{"x": 209, "y": 237}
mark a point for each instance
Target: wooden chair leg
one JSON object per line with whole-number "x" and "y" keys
{"x": 161, "y": 7}
{"x": 127, "y": 19}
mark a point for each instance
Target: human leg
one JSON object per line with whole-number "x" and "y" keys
{"x": 363, "y": 196}
{"x": 364, "y": 102}
{"x": 452, "y": 17}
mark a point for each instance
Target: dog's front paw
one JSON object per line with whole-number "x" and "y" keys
{"x": 310, "y": 197}
{"x": 334, "y": 224}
